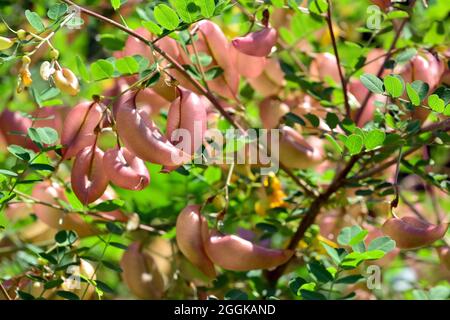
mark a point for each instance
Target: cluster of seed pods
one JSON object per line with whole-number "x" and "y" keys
{"x": 206, "y": 248}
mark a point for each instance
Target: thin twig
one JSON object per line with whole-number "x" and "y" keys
{"x": 389, "y": 54}
{"x": 338, "y": 61}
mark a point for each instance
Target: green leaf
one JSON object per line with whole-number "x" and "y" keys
{"x": 82, "y": 69}
{"x": 332, "y": 120}
{"x": 313, "y": 119}
{"x": 127, "y": 65}
{"x": 186, "y": 9}
{"x": 35, "y": 21}
{"x": 8, "y": 173}
{"x": 347, "y": 234}
{"x": 354, "y": 144}
{"x": 320, "y": 272}
{"x": 103, "y": 287}
{"x": 112, "y": 266}
{"x": 292, "y": 118}
{"x": 358, "y": 237}
{"x": 53, "y": 284}
{"x": 374, "y": 139}
{"x": 384, "y": 244}
{"x": 44, "y": 135}
{"x": 56, "y": 11}
{"x": 67, "y": 295}
{"x": 397, "y": 14}
{"x": 332, "y": 252}
{"x": 21, "y": 152}
{"x": 42, "y": 167}
{"x": 394, "y": 86}
{"x": 203, "y": 58}
{"x": 311, "y": 295}
{"x": 350, "y": 279}
{"x": 419, "y": 294}
{"x": 335, "y": 144}
{"x": 166, "y": 17}
{"x": 318, "y": 6}
{"x": 439, "y": 293}
{"x": 118, "y": 245}
{"x": 116, "y": 4}
{"x": 412, "y": 95}
{"x": 152, "y": 27}
{"x": 436, "y": 104}
{"x": 213, "y": 73}
{"x": 207, "y": 7}
{"x": 372, "y": 83}
{"x": 296, "y": 283}
{"x": 405, "y": 55}
{"x": 108, "y": 205}
{"x": 421, "y": 88}
{"x": 24, "y": 296}
{"x": 102, "y": 69}
{"x": 235, "y": 294}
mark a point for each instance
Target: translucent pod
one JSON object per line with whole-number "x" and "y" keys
{"x": 189, "y": 239}
{"x": 89, "y": 179}
{"x": 125, "y": 170}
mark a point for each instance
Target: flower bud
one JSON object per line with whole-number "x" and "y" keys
{"x": 5, "y": 43}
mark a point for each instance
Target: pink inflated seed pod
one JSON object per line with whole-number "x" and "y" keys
{"x": 50, "y": 193}
{"x": 142, "y": 137}
{"x": 125, "y": 170}
{"x": 14, "y": 127}
{"x": 324, "y": 66}
{"x": 79, "y": 127}
{"x": 257, "y": 44}
{"x": 189, "y": 239}
{"x": 411, "y": 232}
{"x": 234, "y": 253}
{"x": 187, "y": 112}
{"x": 248, "y": 66}
{"x": 89, "y": 179}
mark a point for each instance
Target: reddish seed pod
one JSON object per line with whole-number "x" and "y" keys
{"x": 125, "y": 170}
{"x": 323, "y": 66}
{"x": 142, "y": 137}
{"x": 271, "y": 81}
{"x": 79, "y": 127}
{"x": 257, "y": 44}
{"x": 189, "y": 239}
{"x": 214, "y": 42}
{"x": 187, "y": 112}
{"x": 410, "y": 232}
{"x": 141, "y": 274}
{"x": 297, "y": 152}
{"x": 50, "y": 193}
{"x": 89, "y": 179}
{"x": 444, "y": 256}
{"x": 234, "y": 253}
{"x": 66, "y": 81}
{"x": 11, "y": 124}
{"x": 247, "y": 66}
{"x": 271, "y": 110}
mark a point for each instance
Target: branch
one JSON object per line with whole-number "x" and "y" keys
{"x": 310, "y": 216}
{"x": 386, "y": 59}
{"x": 338, "y": 61}
{"x": 443, "y": 125}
